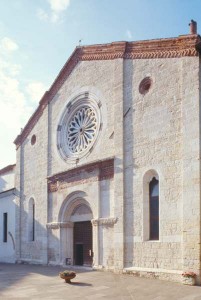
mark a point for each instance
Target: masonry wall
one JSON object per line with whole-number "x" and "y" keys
{"x": 157, "y": 146}
{"x": 31, "y": 183}
{"x": 191, "y": 165}
{"x": 158, "y": 143}
{"x": 98, "y": 78}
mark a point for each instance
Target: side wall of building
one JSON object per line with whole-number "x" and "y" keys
{"x": 7, "y": 210}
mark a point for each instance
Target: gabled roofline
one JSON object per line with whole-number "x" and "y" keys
{"x": 7, "y": 169}
{"x": 7, "y": 193}
{"x": 184, "y": 45}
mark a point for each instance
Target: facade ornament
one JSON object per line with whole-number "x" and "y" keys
{"x": 57, "y": 225}
{"x": 104, "y": 221}
{"x": 92, "y": 172}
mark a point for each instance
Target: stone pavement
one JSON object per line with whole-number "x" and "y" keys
{"x": 42, "y": 282}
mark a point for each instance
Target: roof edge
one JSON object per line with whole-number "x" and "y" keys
{"x": 7, "y": 169}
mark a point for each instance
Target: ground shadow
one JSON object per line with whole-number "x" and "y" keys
{"x": 20, "y": 271}
{"x": 81, "y": 283}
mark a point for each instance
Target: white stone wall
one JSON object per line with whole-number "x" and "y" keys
{"x": 157, "y": 145}
{"x": 191, "y": 164}
{"x": 31, "y": 182}
{"x": 7, "y": 249}
{"x": 7, "y": 205}
{"x": 159, "y": 127}
{"x": 96, "y": 77}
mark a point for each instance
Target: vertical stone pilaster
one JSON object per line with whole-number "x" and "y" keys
{"x": 19, "y": 175}
{"x": 118, "y": 165}
{"x": 95, "y": 233}
{"x": 66, "y": 242}
{"x": 128, "y": 127}
{"x": 95, "y": 228}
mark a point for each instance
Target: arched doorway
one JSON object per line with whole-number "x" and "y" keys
{"x": 82, "y": 235}
{"x": 76, "y": 231}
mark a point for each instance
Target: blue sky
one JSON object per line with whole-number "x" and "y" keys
{"x": 38, "y": 36}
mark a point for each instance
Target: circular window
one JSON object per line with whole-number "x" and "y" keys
{"x": 81, "y": 129}
{"x": 78, "y": 128}
{"x": 145, "y": 85}
{"x": 33, "y": 139}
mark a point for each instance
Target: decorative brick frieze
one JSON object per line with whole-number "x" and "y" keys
{"x": 96, "y": 171}
{"x": 104, "y": 221}
{"x": 186, "y": 45}
{"x": 57, "y": 225}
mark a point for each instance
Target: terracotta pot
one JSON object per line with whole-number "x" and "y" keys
{"x": 188, "y": 280}
{"x": 67, "y": 278}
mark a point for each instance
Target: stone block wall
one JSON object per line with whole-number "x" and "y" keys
{"x": 164, "y": 137}
{"x": 157, "y": 145}
{"x": 31, "y": 183}
{"x": 96, "y": 77}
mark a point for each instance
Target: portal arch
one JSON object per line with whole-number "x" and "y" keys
{"x": 74, "y": 209}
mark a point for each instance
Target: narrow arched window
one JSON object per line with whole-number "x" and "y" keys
{"x": 31, "y": 220}
{"x": 154, "y": 209}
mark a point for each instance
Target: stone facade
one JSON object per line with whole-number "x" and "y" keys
{"x": 144, "y": 131}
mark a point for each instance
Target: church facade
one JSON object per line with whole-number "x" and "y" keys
{"x": 108, "y": 167}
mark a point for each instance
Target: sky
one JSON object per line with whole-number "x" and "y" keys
{"x": 38, "y": 36}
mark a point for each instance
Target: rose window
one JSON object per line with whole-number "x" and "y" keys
{"x": 81, "y": 129}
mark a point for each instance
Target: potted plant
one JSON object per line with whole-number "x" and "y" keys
{"x": 67, "y": 275}
{"x": 189, "y": 278}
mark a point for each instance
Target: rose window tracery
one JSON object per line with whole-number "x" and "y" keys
{"x": 81, "y": 129}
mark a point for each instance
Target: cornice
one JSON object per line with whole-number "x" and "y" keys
{"x": 95, "y": 171}
{"x": 95, "y": 222}
{"x": 57, "y": 225}
{"x": 7, "y": 193}
{"x": 184, "y": 45}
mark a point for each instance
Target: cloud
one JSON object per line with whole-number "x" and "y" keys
{"x": 13, "y": 109}
{"x": 8, "y": 45}
{"x": 17, "y": 102}
{"x": 57, "y": 7}
{"x": 35, "y": 90}
{"x": 129, "y": 34}
{"x": 42, "y": 15}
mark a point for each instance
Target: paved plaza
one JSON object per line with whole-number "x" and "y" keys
{"x": 41, "y": 282}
